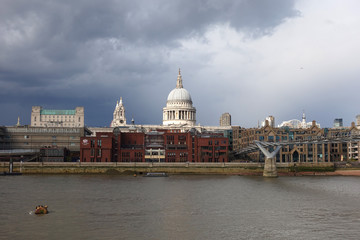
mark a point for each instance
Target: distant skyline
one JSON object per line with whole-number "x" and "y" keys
{"x": 250, "y": 58}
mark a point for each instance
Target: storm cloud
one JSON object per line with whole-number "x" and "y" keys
{"x": 63, "y": 54}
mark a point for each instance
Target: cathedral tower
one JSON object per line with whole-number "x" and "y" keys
{"x": 119, "y": 115}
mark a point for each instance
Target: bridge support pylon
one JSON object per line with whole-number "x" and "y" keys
{"x": 270, "y": 160}
{"x": 270, "y": 168}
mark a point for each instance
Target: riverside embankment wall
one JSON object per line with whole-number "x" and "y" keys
{"x": 171, "y": 168}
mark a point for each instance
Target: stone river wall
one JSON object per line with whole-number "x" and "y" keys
{"x": 171, "y": 168}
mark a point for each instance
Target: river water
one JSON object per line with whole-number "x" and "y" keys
{"x": 179, "y": 207}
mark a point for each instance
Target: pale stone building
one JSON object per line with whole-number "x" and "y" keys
{"x": 179, "y": 108}
{"x": 119, "y": 118}
{"x": 358, "y": 120}
{"x": 271, "y": 121}
{"x": 225, "y": 119}
{"x": 57, "y": 118}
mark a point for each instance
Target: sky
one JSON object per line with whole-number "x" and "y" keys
{"x": 250, "y": 58}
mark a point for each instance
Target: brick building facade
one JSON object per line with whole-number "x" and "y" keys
{"x": 154, "y": 146}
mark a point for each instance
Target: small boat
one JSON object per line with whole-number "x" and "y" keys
{"x": 156, "y": 174}
{"x": 41, "y": 209}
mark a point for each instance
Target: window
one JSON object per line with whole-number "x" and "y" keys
{"x": 183, "y": 157}
{"x": 170, "y": 139}
{"x": 182, "y": 139}
{"x": 125, "y": 154}
{"x": 99, "y": 142}
{"x": 171, "y": 157}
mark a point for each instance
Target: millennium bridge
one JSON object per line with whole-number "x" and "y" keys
{"x": 270, "y": 157}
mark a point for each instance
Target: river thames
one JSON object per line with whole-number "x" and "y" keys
{"x": 179, "y": 207}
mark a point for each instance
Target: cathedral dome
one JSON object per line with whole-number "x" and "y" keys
{"x": 179, "y": 94}
{"x": 179, "y": 109}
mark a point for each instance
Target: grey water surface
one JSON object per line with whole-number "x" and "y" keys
{"x": 179, "y": 207}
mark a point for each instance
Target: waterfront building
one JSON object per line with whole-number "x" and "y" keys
{"x": 161, "y": 145}
{"x": 179, "y": 108}
{"x": 119, "y": 118}
{"x": 228, "y": 133}
{"x": 338, "y": 122}
{"x": 236, "y": 133}
{"x": 57, "y": 118}
{"x": 353, "y": 153}
{"x": 303, "y": 152}
{"x": 37, "y": 139}
{"x": 225, "y": 119}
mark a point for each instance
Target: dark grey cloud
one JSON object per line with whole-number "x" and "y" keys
{"x": 64, "y": 53}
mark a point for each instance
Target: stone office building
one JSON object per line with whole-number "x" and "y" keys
{"x": 57, "y": 118}
{"x": 225, "y": 119}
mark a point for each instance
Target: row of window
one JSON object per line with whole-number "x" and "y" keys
{"x": 216, "y": 142}
{"x": 53, "y": 117}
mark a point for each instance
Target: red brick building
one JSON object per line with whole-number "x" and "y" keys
{"x": 155, "y": 146}
{"x": 97, "y": 149}
{"x": 212, "y": 148}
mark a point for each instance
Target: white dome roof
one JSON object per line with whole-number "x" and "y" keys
{"x": 179, "y": 94}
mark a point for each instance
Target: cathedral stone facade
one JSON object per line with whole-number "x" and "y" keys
{"x": 179, "y": 109}
{"x": 119, "y": 118}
